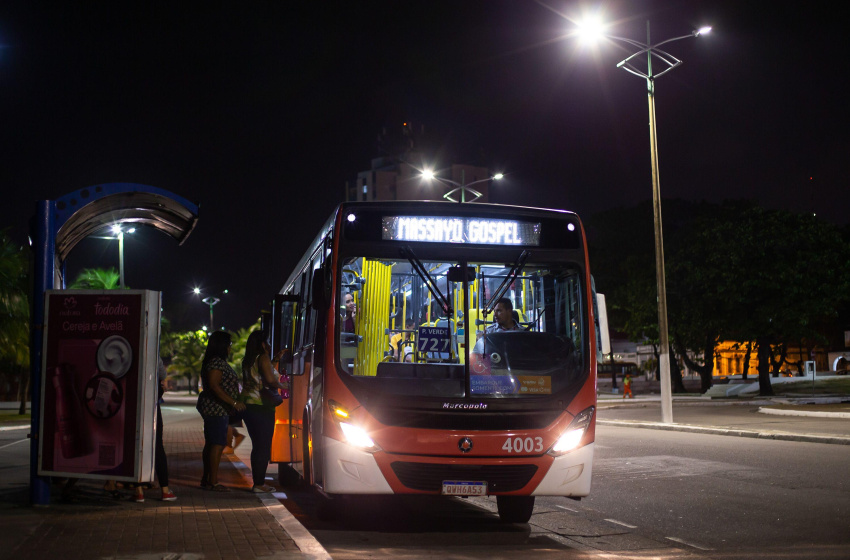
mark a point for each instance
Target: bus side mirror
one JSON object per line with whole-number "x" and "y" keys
{"x": 321, "y": 287}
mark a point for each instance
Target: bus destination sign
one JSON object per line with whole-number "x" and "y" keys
{"x": 478, "y": 231}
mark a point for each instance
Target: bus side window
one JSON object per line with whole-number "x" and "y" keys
{"x": 285, "y": 330}
{"x": 300, "y": 319}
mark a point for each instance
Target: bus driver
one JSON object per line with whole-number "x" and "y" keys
{"x": 503, "y": 315}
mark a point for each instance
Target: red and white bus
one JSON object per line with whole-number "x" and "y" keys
{"x": 419, "y": 396}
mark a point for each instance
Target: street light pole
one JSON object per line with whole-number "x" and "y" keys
{"x": 463, "y": 187}
{"x": 671, "y": 62}
{"x": 119, "y": 235}
{"x": 121, "y": 258}
{"x": 211, "y": 301}
{"x": 660, "y": 275}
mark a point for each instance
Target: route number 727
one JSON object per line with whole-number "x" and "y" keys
{"x": 434, "y": 339}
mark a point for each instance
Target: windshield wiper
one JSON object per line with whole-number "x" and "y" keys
{"x": 442, "y": 301}
{"x": 503, "y": 287}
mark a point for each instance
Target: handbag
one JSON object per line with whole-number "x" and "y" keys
{"x": 270, "y": 396}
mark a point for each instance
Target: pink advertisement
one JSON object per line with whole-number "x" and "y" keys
{"x": 91, "y": 383}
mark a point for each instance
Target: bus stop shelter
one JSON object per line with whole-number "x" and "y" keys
{"x": 56, "y": 228}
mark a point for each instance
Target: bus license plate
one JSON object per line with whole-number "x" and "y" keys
{"x": 464, "y": 488}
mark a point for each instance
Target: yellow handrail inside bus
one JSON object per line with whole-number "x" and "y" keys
{"x": 372, "y": 319}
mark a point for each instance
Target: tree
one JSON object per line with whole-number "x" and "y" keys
{"x": 734, "y": 272}
{"x": 794, "y": 280}
{"x": 186, "y": 351}
{"x": 622, "y": 252}
{"x": 14, "y": 315}
{"x": 97, "y": 279}
{"x": 702, "y": 275}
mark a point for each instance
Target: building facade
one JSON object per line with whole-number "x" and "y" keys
{"x": 398, "y": 175}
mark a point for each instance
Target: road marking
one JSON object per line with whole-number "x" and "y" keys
{"x": 11, "y": 444}
{"x": 686, "y": 543}
{"x": 621, "y": 523}
{"x": 5, "y": 428}
{"x": 568, "y": 509}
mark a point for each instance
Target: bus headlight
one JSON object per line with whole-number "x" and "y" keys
{"x": 574, "y": 433}
{"x": 357, "y": 437}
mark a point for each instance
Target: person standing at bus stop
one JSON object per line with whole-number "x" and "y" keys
{"x": 258, "y": 370}
{"x": 217, "y": 399}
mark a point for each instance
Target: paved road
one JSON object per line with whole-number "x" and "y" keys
{"x": 657, "y": 493}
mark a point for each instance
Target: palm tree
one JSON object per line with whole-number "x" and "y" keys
{"x": 240, "y": 339}
{"x": 187, "y": 355}
{"x": 96, "y": 279}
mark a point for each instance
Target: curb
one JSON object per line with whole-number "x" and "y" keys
{"x": 787, "y": 412}
{"x": 783, "y": 436}
{"x": 6, "y": 428}
{"x": 306, "y": 542}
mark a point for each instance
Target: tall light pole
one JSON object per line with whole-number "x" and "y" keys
{"x": 211, "y": 301}
{"x": 119, "y": 235}
{"x": 670, "y": 62}
{"x": 461, "y": 187}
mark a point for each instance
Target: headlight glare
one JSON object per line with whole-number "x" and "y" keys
{"x": 567, "y": 442}
{"x": 357, "y": 437}
{"x": 572, "y": 436}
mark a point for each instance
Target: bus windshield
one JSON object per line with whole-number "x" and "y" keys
{"x": 403, "y": 327}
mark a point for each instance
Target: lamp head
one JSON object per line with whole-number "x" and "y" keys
{"x": 590, "y": 29}
{"x": 702, "y": 31}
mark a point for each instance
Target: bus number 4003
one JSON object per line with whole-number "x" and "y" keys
{"x": 518, "y": 445}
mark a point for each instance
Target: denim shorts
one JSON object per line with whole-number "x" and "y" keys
{"x": 215, "y": 429}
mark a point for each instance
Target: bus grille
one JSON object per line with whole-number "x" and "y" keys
{"x": 430, "y": 476}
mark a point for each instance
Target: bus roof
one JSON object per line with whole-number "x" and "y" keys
{"x": 430, "y": 206}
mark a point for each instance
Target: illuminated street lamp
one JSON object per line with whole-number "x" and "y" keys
{"x": 119, "y": 235}
{"x": 463, "y": 186}
{"x": 211, "y": 301}
{"x": 590, "y": 30}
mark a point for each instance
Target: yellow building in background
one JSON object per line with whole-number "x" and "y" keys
{"x": 729, "y": 359}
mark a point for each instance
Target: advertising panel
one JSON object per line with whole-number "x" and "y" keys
{"x": 99, "y": 384}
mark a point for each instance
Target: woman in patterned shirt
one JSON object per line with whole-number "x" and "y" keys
{"x": 219, "y": 397}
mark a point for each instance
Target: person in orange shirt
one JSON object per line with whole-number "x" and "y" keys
{"x": 627, "y": 386}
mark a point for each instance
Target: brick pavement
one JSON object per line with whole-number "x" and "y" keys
{"x": 200, "y": 524}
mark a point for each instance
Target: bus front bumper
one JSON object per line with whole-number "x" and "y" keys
{"x": 348, "y": 470}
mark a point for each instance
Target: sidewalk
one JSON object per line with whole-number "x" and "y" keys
{"x": 200, "y": 524}
{"x": 813, "y": 420}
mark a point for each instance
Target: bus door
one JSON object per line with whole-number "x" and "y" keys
{"x": 288, "y": 416}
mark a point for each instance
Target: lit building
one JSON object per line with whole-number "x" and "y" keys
{"x": 398, "y": 175}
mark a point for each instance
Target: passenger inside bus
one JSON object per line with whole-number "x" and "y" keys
{"x": 349, "y": 313}
{"x": 403, "y": 341}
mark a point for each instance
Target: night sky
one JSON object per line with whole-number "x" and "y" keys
{"x": 261, "y": 111}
